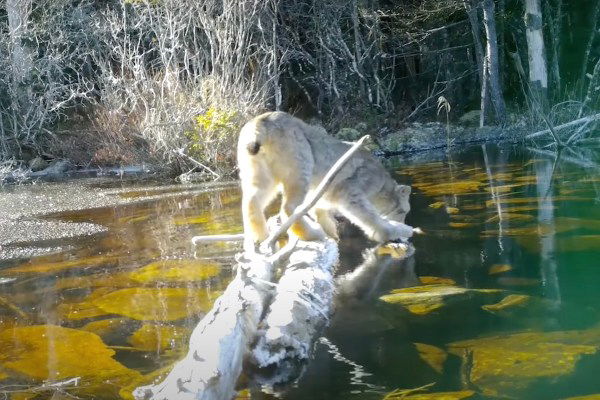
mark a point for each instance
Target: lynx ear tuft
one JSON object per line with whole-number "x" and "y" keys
{"x": 253, "y": 148}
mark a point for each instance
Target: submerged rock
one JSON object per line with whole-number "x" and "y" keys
{"x": 509, "y": 365}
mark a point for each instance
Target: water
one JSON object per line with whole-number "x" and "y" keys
{"x": 526, "y": 225}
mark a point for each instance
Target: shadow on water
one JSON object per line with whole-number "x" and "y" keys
{"x": 498, "y": 301}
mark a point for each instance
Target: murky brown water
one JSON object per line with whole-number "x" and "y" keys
{"x": 512, "y": 245}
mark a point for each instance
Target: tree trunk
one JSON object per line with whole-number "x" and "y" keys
{"x": 538, "y": 71}
{"x": 588, "y": 48}
{"x": 555, "y": 33}
{"x": 492, "y": 61}
{"x": 18, "y": 13}
{"x": 477, "y": 44}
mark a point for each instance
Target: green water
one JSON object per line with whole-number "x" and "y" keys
{"x": 502, "y": 218}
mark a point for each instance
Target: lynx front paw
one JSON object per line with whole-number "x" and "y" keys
{"x": 400, "y": 231}
{"x": 308, "y": 230}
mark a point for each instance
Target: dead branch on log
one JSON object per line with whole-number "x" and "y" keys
{"x": 234, "y": 237}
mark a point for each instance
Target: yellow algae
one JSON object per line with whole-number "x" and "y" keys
{"x": 506, "y": 366}
{"x": 526, "y": 178}
{"x": 588, "y": 397}
{"x": 395, "y": 250}
{"x": 506, "y": 216}
{"x": 463, "y": 394}
{"x": 25, "y": 396}
{"x": 42, "y": 267}
{"x": 151, "y": 337}
{"x": 126, "y": 393}
{"x": 80, "y": 310}
{"x": 578, "y": 243}
{"x": 433, "y": 356}
{"x": 436, "y": 280}
{"x": 499, "y": 268}
{"x": 449, "y": 188}
{"x": 461, "y": 217}
{"x": 106, "y": 327}
{"x": 498, "y": 176}
{"x": 423, "y": 300}
{"x": 518, "y": 281}
{"x": 437, "y": 204}
{"x": 452, "y": 210}
{"x": 202, "y": 219}
{"x": 156, "y": 304}
{"x": 176, "y": 271}
{"x": 535, "y": 230}
{"x": 528, "y": 200}
{"x": 460, "y": 225}
{"x": 473, "y": 207}
{"x": 503, "y": 189}
{"x": 117, "y": 280}
{"x": 517, "y": 209}
{"x": 54, "y": 353}
{"x": 510, "y": 301}
{"x": 243, "y": 395}
{"x": 418, "y": 394}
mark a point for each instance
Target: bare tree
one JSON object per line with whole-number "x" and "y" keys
{"x": 538, "y": 71}
{"x": 492, "y": 70}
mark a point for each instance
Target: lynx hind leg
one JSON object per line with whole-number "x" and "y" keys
{"x": 254, "y": 201}
{"x": 362, "y": 213}
{"x": 327, "y": 222}
{"x": 304, "y": 228}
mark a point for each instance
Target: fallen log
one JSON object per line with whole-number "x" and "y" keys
{"x": 570, "y": 124}
{"x": 299, "y": 311}
{"x": 221, "y": 340}
{"x": 302, "y": 303}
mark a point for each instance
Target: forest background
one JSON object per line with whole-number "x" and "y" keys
{"x": 170, "y": 82}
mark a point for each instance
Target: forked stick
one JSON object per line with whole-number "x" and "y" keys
{"x": 235, "y": 237}
{"x": 309, "y": 202}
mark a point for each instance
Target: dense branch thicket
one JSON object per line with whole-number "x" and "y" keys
{"x": 126, "y": 81}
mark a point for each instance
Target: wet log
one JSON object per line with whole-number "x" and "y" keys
{"x": 299, "y": 311}
{"x": 220, "y": 341}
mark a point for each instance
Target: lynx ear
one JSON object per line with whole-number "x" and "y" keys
{"x": 403, "y": 190}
